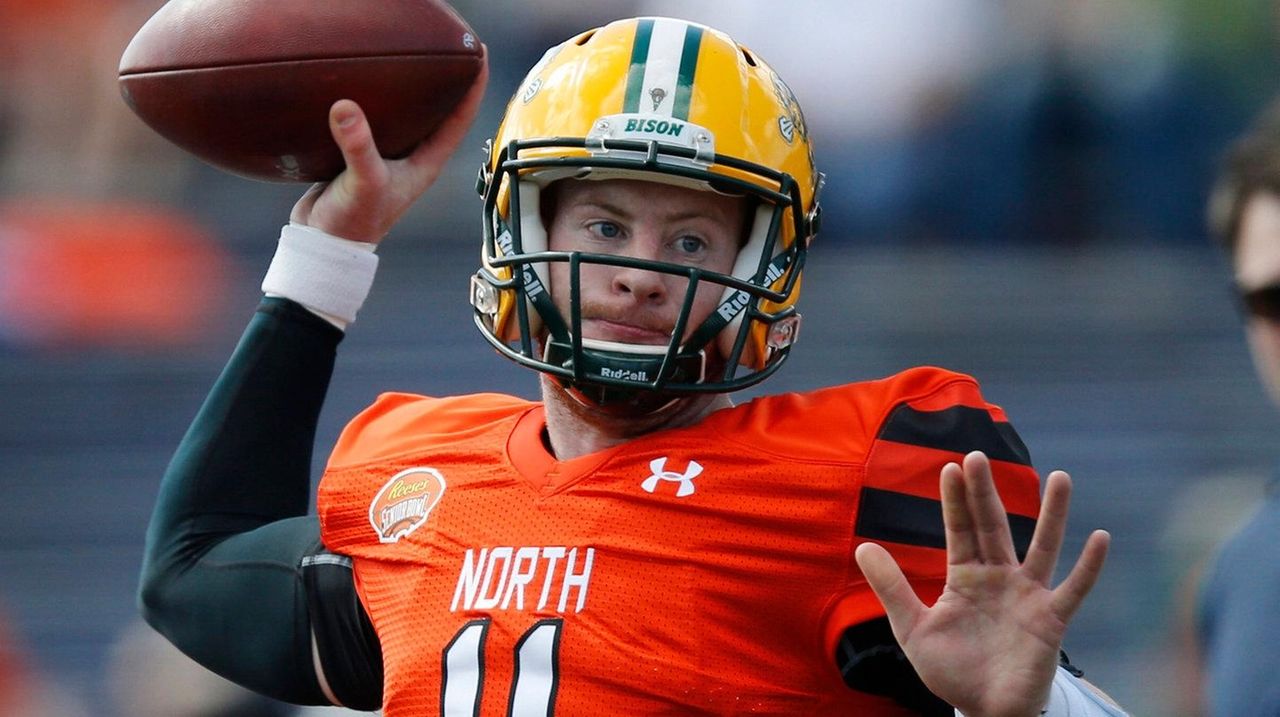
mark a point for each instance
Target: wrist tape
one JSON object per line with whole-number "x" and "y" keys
{"x": 330, "y": 276}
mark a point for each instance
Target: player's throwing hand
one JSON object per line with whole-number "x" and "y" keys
{"x": 990, "y": 644}
{"x": 365, "y": 200}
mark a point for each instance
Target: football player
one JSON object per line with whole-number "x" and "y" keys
{"x": 633, "y": 543}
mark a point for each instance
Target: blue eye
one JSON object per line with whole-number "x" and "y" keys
{"x": 690, "y": 244}
{"x": 608, "y": 230}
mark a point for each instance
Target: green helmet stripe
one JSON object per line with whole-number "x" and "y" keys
{"x": 664, "y": 57}
{"x": 639, "y": 58}
{"x": 688, "y": 64}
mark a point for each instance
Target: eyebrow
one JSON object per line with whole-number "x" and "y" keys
{"x": 619, "y": 211}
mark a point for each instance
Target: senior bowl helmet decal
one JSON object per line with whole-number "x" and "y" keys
{"x": 661, "y": 100}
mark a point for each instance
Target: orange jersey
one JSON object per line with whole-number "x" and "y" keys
{"x": 701, "y": 570}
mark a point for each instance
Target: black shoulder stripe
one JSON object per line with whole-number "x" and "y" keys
{"x": 911, "y": 520}
{"x": 958, "y": 429}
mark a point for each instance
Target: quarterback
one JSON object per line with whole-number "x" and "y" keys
{"x": 634, "y": 542}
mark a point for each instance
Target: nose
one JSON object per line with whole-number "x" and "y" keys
{"x": 640, "y": 284}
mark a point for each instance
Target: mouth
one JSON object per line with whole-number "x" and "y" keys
{"x": 627, "y": 332}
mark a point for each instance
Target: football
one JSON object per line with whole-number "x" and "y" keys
{"x": 246, "y": 85}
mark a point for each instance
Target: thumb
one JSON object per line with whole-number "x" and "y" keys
{"x": 886, "y": 579}
{"x": 350, "y": 129}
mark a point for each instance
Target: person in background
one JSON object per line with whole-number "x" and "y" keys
{"x": 1236, "y": 623}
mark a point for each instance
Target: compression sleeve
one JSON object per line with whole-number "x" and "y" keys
{"x": 221, "y": 576}
{"x": 871, "y": 661}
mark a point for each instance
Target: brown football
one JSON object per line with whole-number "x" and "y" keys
{"x": 246, "y": 85}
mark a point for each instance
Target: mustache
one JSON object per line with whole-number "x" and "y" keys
{"x": 592, "y": 311}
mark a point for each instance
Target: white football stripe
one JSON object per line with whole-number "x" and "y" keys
{"x": 662, "y": 67}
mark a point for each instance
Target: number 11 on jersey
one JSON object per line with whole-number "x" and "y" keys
{"x": 534, "y": 680}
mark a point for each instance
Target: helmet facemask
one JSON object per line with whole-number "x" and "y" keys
{"x": 741, "y": 342}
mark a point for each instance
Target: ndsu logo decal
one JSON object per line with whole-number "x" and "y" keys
{"x": 403, "y": 504}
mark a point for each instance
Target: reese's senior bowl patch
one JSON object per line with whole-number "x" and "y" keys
{"x": 402, "y": 505}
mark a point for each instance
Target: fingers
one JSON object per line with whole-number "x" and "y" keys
{"x": 1068, "y": 597}
{"x": 891, "y": 587}
{"x": 977, "y": 528}
{"x": 995, "y": 541}
{"x": 1046, "y": 545}
{"x": 352, "y": 134}
{"x": 302, "y": 208}
{"x": 351, "y": 131}
{"x": 1046, "y": 542}
{"x": 962, "y": 543}
{"x": 370, "y": 195}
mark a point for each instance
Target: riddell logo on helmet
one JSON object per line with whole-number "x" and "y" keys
{"x": 404, "y": 502}
{"x": 533, "y": 286}
{"x": 736, "y": 303}
{"x": 740, "y": 298}
{"x": 624, "y": 373}
{"x": 654, "y": 126}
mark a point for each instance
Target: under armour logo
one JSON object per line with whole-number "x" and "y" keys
{"x": 658, "y": 467}
{"x": 657, "y": 94}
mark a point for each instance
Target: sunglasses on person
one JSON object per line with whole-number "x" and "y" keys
{"x": 1262, "y": 302}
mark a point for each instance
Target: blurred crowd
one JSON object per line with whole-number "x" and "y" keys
{"x": 1047, "y": 122}
{"x": 940, "y": 120}
{"x": 1035, "y": 121}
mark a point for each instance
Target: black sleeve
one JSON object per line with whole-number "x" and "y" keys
{"x": 349, "y": 650}
{"x": 221, "y": 575}
{"x": 871, "y": 661}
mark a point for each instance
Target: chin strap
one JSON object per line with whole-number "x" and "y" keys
{"x": 644, "y": 368}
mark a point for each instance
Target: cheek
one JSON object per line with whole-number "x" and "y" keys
{"x": 558, "y": 274}
{"x": 591, "y": 279}
{"x": 1264, "y": 340}
{"x": 710, "y": 293}
{"x": 705, "y": 302}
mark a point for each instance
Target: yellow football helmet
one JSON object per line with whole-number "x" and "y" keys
{"x": 661, "y": 100}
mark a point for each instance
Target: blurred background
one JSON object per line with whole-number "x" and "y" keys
{"x": 1016, "y": 191}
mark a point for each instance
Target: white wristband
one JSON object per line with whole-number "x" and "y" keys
{"x": 328, "y": 275}
{"x": 1069, "y": 697}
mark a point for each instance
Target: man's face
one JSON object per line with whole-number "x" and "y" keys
{"x": 1257, "y": 264}
{"x": 642, "y": 220}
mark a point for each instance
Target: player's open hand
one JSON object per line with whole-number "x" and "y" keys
{"x": 989, "y": 645}
{"x": 372, "y": 193}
